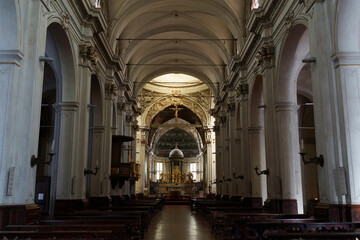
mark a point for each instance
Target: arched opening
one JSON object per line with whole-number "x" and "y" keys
{"x": 257, "y": 139}
{"x": 55, "y": 124}
{"x": 307, "y": 138}
{"x": 295, "y": 48}
{"x": 48, "y": 140}
{"x": 96, "y": 135}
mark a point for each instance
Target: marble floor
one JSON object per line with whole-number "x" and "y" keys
{"x": 175, "y": 222}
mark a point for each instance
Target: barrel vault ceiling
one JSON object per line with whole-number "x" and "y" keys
{"x": 158, "y": 37}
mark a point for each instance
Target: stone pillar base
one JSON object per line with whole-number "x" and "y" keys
{"x": 253, "y": 202}
{"x": 285, "y": 206}
{"x": 19, "y": 215}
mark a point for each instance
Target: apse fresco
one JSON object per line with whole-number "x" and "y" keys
{"x": 186, "y": 143}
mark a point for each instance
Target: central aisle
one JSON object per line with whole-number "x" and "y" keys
{"x": 175, "y": 222}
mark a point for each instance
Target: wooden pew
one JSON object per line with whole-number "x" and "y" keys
{"x": 328, "y": 236}
{"x": 61, "y": 234}
{"x": 133, "y": 229}
{"x": 144, "y": 216}
{"x": 260, "y": 229}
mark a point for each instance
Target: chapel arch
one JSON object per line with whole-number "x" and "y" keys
{"x": 66, "y": 60}
{"x": 307, "y": 138}
{"x": 57, "y": 119}
{"x": 295, "y": 48}
{"x": 96, "y": 135}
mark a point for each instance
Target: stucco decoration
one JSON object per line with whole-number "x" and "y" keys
{"x": 154, "y": 104}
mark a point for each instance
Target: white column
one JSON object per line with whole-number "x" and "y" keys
{"x": 288, "y": 152}
{"x": 347, "y": 69}
{"x": 257, "y": 156}
{"x": 97, "y": 160}
{"x": 65, "y": 167}
{"x": 325, "y": 108}
{"x": 233, "y": 191}
{"x": 272, "y": 162}
{"x": 82, "y": 143}
{"x": 219, "y": 157}
{"x": 245, "y": 159}
{"x": 21, "y": 76}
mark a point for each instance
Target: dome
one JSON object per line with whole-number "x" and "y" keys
{"x": 176, "y": 153}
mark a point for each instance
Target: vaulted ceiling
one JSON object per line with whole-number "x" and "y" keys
{"x": 194, "y": 37}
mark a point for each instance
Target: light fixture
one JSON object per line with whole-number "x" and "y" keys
{"x": 46, "y": 59}
{"x": 317, "y": 160}
{"x": 238, "y": 177}
{"x": 37, "y": 161}
{"x": 309, "y": 60}
{"x": 226, "y": 179}
{"x": 265, "y": 172}
{"x": 90, "y": 172}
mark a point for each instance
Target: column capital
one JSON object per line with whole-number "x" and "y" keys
{"x": 285, "y": 106}
{"x": 11, "y": 57}
{"x": 255, "y": 130}
{"x": 346, "y": 59}
{"x": 66, "y": 106}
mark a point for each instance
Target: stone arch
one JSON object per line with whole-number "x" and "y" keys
{"x": 295, "y": 48}
{"x": 165, "y": 102}
{"x": 10, "y": 24}
{"x": 65, "y": 60}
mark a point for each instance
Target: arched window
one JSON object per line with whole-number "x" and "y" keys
{"x": 98, "y": 3}
{"x": 255, "y": 4}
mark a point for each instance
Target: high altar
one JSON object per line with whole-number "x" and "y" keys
{"x": 176, "y": 182}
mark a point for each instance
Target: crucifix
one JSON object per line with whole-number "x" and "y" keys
{"x": 176, "y": 109}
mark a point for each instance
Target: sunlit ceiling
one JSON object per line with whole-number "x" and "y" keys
{"x": 176, "y": 80}
{"x": 171, "y": 82}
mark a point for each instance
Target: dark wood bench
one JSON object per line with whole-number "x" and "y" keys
{"x": 328, "y": 236}
{"x": 64, "y": 234}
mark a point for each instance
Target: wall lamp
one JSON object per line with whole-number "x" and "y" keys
{"x": 265, "y": 172}
{"x": 46, "y": 59}
{"x": 226, "y": 179}
{"x": 37, "y": 161}
{"x": 317, "y": 160}
{"x": 237, "y": 177}
{"x": 309, "y": 60}
{"x": 217, "y": 181}
{"x": 90, "y": 172}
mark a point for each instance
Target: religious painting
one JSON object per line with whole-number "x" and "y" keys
{"x": 186, "y": 143}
